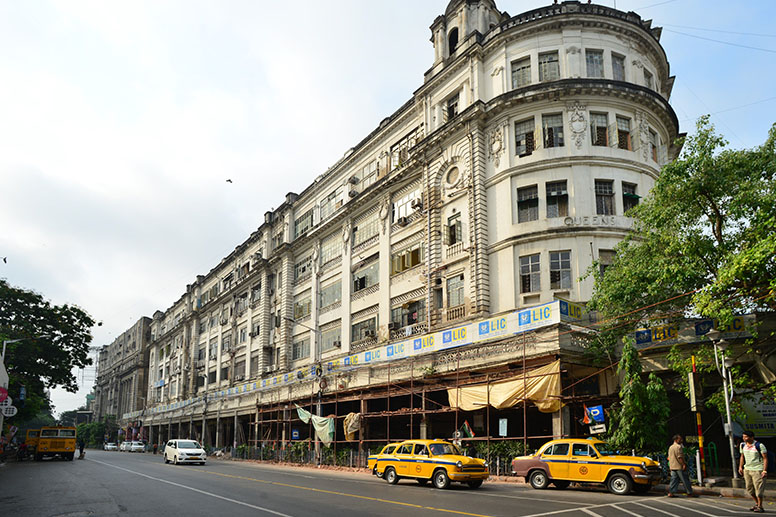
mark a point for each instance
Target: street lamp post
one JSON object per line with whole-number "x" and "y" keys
{"x": 723, "y": 367}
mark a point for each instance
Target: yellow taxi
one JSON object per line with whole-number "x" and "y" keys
{"x": 435, "y": 460}
{"x": 587, "y": 461}
{"x": 371, "y": 461}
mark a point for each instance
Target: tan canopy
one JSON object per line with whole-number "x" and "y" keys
{"x": 542, "y": 387}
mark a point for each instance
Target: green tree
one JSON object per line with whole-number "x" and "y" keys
{"x": 639, "y": 420}
{"x": 36, "y": 362}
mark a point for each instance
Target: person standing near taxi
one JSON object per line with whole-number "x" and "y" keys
{"x": 679, "y": 469}
{"x": 753, "y": 466}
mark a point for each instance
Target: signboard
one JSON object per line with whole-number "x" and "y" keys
{"x": 502, "y": 426}
{"x": 294, "y": 434}
{"x": 7, "y": 401}
{"x": 596, "y": 414}
{"x": 3, "y": 394}
{"x": 598, "y": 429}
{"x": 760, "y": 416}
{"x": 9, "y": 411}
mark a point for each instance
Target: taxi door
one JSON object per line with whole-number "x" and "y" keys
{"x": 422, "y": 467}
{"x": 584, "y": 466}
{"x": 404, "y": 459}
{"x": 557, "y": 459}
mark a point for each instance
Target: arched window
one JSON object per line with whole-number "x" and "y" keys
{"x": 452, "y": 40}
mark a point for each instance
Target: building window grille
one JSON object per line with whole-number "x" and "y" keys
{"x": 623, "y": 133}
{"x": 595, "y": 63}
{"x": 549, "y": 67}
{"x": 527, "y": 204}
{"x": 629, "y": 197}
{"x": 524, "y": 137}
{"x": 400, "y": 150}
{"x": 455, "y": 291}
{"x": 303, "y": 268}
{"x": 557, "y": 199}
{"x": 302, "y": 307}
{"x": 366, "y": 276}
{"x": 599, "y": 125}
{"x": 300, "y": 349}
{"x": 331, "y": 248}
{"x": 618, "y": 67}
{"x": 331, "y": 203}
{"x": 604, "y": 197}
{"x": 366, "y": 229}
{"x": 331, "y": 339}
{"x": 364, "y": 329}
{"x": 521, "y": 72}
{"x": 452, "y": 107}
{"x": 402, "y": 207}
{"x": 409, "y": 313}
{"x": 560, "y": 270}
{"x": 331, "y": 294}
{"x": 552, "y": 127}
{"x": 454, "y": 229}
{"x": 530, "y": 274}
{"x": 213, "y": 348}
{"x": 226, "y": 343}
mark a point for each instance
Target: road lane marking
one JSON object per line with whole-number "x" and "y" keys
{"x": 343, "y": 494}
{"x": 590, "y": 512}
{"x": 586, "y": 509}
{"x": 688, "y": 508}
{"x": 738, "y": 510}
{"x": 626, "y": 510}
{"x": 656, "y": 509}
{"x": 235, "y": 501}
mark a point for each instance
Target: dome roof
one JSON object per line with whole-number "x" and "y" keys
{"x": 453, "y": 5}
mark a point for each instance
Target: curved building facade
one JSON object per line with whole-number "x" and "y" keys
{"x": 492, "y": 190}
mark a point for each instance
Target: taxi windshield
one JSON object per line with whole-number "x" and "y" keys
{"x": 604, "y": 449}
{"x": 440, "y": 449}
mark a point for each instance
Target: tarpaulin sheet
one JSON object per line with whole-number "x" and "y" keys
{"x": 542, "y": 387}
{"x": 324, "y": 427}
{"x": 351, "y": 425}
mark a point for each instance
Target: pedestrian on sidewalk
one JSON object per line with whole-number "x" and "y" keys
{"x": 156, "y": 447}
{"x": 753, "y": 466}
{"x": 679, "y": 469}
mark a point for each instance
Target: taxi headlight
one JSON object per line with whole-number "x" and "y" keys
{"x": 459, "y": 465}
{"x": 485, "y": 464}
{"x": 644, "y": 465}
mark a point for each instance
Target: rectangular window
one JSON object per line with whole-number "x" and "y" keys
{"x": 241, "y": 305}
{"x": 530, "y": 274}
{"x": 648, "y": 82}
{"x": 366, "y": 229}
{"x": 406, "y": 205}
{"x": 552, "y": 127}
{"x": 409, "y": 313}
{"x": 364, "y": 330}
{"x": 455, "y": 291}
{"x": 213, "y": 348}
{"x": 254, "y": 365}
{"x": 557, "y": 199}
{"x": 595, "y": 63}
{"x": 331, "y": 203}
{"x": 400, "y": 151}
{"x": 527, "y": 204}
{"x": 454, "y": 229}
{"x": 304, "y": 268}
{"x": 366, "y": 276}
{"x": 524, "y": 137}
{"x": 521, "y": 72}
{"x": 604, "y": 197}
{"x": 256, "y": 292}
{"x": 255, "y": 327}
{"x": 549, "y": 67}
{"x": 242, "y": 335}
{"x": 452, "y": 107}
{"x": 653, "y": 145}
{"x": 331, "y": 294}
{"x": 331, "y": 339}
{"x": 407, "y": 258}
{"x": 239, "y": 370}
{"x": 225, "y": 373}
{"x": 367, "y": 175}
{"x": 211, "y": 377}
{"x": 605, "y": 259}
{"x": 226, "y": 342}
{"x": 201, "y": 353}
{"x": 300, "y": 349}
{"x": 331, "y": 248}
{"x": 618, "y": 67}
{"x": 629, "y": 197}
{"x": 599, "y": 125}
{"x": 560, "y": 270}
{"x": 302, "y": 306}
{"x": 623, "y": 133}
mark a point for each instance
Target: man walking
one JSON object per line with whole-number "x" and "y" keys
{"x": 679, "y": 469}
{"x": 754, "y": 467}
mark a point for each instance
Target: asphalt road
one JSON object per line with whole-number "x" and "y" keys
{"x": 126, "y": 484}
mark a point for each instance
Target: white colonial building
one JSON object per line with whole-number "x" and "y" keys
{"x": 494, "y": 188}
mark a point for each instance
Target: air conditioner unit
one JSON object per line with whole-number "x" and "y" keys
{"x": 369, "y": 333}
{"x": 353, "y": 180}
{"x": 239, "y": 377}
{"x": 253, "y": 334}
{"x": 352, "y": 192}
{"x": 417, "y": 204}
{"x": 393, "y": 326}
{"x": 337, "y": 344}
{"x": 403, "y": 221}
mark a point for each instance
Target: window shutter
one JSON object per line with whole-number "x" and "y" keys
{"x": 662, "y": 155}
{"x": 635, "y": 142}
{"x": 613, "y": 135}
{"x": 537, "y": 138}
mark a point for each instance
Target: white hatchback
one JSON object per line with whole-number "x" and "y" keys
{"x": 124, "y": 447}
{"x": 184, "y": 451}
{"x": 110, "y": 446}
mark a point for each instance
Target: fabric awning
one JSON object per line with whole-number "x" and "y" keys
{"x": 541, "y": 386}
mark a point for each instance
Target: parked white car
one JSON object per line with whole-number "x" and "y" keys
{"x": 184, "y": 451}
{"x": 124, "y": 447}
{"x": 110, "y": 446}
{"x": 136, "y": 447}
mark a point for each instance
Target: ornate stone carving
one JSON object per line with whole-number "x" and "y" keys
{"x": 577, "y": 122}
{"x": 642, "y": 126}
{"x": 637, "y": 63}
{"x": 496, "y": 145}
{"x": 496, "y": 71}
{"x": 385, "y": 211}
{"x": 573, "y": 50}
{"x": 346, "y": 231}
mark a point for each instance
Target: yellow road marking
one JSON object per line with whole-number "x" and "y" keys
{"x": 344, "y": 494}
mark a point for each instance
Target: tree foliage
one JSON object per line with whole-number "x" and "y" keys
{"x": 37, "y": 362}
{"x": 639, "y": 420}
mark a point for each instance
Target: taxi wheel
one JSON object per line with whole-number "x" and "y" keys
{"x": 538, "y": 479}
{"x": 422, "y": 482}
{"x": 390, "y": 476}
{"x": 619, "y": 484}
{"x": 441, "y": 480}
{"x": 475, "y": 484}
{"x": 560, "y": 484}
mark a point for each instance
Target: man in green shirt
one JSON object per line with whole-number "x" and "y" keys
{"x": 754, "y": 467}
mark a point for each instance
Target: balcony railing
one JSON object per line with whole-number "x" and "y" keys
{"x": 410, "y": 330}
{"x": 363, "y": 344}
{"x": 454, "y": 249}
{"x": 456, "y": 313}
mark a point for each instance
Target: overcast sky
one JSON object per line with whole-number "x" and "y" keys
{"x": 120, "y": 123}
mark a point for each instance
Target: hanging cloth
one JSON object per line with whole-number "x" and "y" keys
{"x": 324, "y": 427}
{"x": 351, "y": 425}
